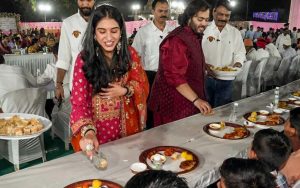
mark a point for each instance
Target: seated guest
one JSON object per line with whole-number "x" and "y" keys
{"x": 4, "y": 48}
{"x": 13, "y": 78}
{"x": 273, "y": 51}
{"x": 250, "y": 50}
{"x": 156, "y": 179}
{"x": 50, "y": 43}
{"x": 292, "y": 129}
{"x": 273, "y": 149}
{"x": 245, "y": 173}
{"x": 298, "y": 46}
{"x": 35, "y": 46}
{"x": 261, "y": 52}
{"x": 288, "y": 51}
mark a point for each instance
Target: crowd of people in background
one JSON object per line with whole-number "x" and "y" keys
{"x": 280, "y": 43}
{"x": 31, "y": 40}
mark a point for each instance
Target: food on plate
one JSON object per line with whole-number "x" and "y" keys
{"x": 283, "y": 104}
{"x": 187, "y": 165}
{"x": 238, "y": 132}
{"x": 296, "y": 94}
{"x": 263, "y": 112}
{"x": 158, "y": 158}
{"x": 169, "y": 151}
{"x": 175, "y": 156}
{"x": 226, "y": 69}
{"x": 185, "y": 155}
{"x": 292, "y": 99}
{"x": 17, "y": 126}
{"x": 297, "y": 102}
{"x": 278, "y": 111}
{"x": 253, "y": 117}
{"x": 96, "y": 184}
{"x": 215, "y": 126}
{"x": 274, "y": 119}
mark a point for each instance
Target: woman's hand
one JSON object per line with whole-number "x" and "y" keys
{"x": 114, "y": 90}
{"x": 87, "y": 141}
{"x": 203, "y": 106}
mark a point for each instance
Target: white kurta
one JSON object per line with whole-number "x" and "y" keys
{"x": 262, "y": 53}
{"x": 279, "y": 42}
{"x": 251, "y": 55}
{"x": 70, "y": 44}
{"x": 226, "y": 48}
{"x": 273, "y": 51}
{"x": 147, "y": 41}
{"x": 288, "y": 52}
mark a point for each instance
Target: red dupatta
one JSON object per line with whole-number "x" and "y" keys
{"x": 133, "y": 109}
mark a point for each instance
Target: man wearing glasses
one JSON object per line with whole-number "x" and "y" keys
{"x": 222, "y": 46}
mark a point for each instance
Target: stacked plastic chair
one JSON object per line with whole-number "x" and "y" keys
{"x": 30, "y": 101}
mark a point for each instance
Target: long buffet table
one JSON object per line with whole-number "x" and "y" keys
{"x": 187, "y": 133}
{"x": 31, "y": 62}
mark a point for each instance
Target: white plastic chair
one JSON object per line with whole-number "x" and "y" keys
{"x": 268, "y": 72}
{"x": 256, "y": 80}
{"x": 282, "y": 72}
{"x": 12, "y": 78}
{"x": 60, "y": 122}
{"x": 240, "y": 83}
{"x": 31, "y": 101}
{"x": 294, "y": 69}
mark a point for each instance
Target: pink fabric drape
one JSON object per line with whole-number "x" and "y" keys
{"x": 266, "y": 25}
{"x": 295, "y": 14}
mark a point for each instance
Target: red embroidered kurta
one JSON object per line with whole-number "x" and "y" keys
{"x": 181, "y": 61}
{"x": 113, "y": 118}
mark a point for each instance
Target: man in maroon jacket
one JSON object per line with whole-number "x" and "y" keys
{"x": 178, "y": 89}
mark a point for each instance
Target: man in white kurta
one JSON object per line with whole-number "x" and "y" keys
{"x": 222, "y": 46}
{"x": 281, "y": 38}
{"x": 273, "y": 51}
{"x": 250, "y": 50}
{"x": 288, "y": 51}
{"x": 70, "y": 44}
{"x": 148, "y": 38}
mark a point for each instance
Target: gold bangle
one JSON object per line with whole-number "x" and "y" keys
{"x": 87, "y": 128}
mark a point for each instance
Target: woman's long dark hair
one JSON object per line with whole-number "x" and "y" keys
{"x": 96, "y": 68}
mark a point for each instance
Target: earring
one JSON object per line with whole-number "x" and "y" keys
{"x": 118, "y": 47}
{"x": 97, "y": 51}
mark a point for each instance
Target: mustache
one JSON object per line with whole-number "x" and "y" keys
{"x": 85, "y": 8}
{"x": 163, "y": 17}
{"x": 86, "y": 11}
{"x": 224, "y": 21}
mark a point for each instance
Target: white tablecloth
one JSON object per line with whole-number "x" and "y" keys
{"x": 187, "y": 133}
{"x": 31, "y": 62}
